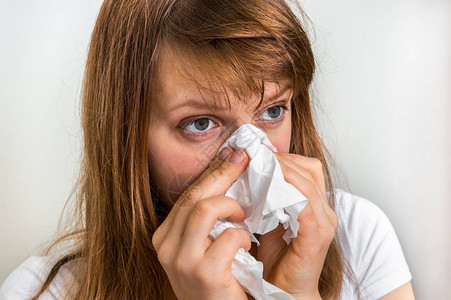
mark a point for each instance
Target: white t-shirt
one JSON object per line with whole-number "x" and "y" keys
{"x": 370, "y": 246}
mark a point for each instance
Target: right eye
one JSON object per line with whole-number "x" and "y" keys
{"x": 199, "y": 128}
{"x": 199, "y": 125}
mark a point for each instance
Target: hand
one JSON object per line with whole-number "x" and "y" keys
{"x": 296, "y": 268}
{"x": 197, "y": 267}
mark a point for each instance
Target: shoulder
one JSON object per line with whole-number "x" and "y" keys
{"x": 370, "y": 245}
{"x": 358, "y": 214}
{"x": 26, "y": 280}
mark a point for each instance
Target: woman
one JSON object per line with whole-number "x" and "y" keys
{"x": 166, "y": 83}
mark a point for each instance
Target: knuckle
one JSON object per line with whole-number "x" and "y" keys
{"x": 201, "y": 274}
{"x": 238, "y": 236}
{"x": 309, "y": 176}
{"x": 233, "y": 233}
{"x": 315, "y": 163}
{"x": 163, "y": 255}
{"x": 328, "y": 233}
{"x": 214, "y": 164}
{"x": 221, "y": 171}
{"x": 330, "y": 237}
{"x": 156, "y": 239}
{"x": 203, "y": 208}
{"x": 191, "y": 195}
{"x": 334, "y": 220}
{"x": 243, "y": 235}
{"x": 180, "y": 265}
{"x": 232, "y": 202}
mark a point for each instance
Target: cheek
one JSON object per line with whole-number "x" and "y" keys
{"x": 281, "y": 138}
{"x": 173, "y": 168}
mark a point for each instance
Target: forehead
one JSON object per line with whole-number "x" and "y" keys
{"x": 178, "y": 85}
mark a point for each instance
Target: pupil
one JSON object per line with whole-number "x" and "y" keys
{"x": 201, "y": 124}
{"x": 274, "y": 112}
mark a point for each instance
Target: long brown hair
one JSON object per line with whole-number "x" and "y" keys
{"x": 241, "y": 43}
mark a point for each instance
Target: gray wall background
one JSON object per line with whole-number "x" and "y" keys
{"x": 384, "y": 109}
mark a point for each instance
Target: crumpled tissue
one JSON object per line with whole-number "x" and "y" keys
{"x": 267, "y": 199}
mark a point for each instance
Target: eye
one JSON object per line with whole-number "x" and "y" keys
{"x": 199, "y": 125}
{"x": 274, "y": 113}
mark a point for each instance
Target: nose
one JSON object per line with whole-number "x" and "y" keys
{"x": 243, "y": 117}
{"x": 240, "y": 119}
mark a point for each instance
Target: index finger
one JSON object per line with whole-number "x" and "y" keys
{"x": 214, "y": 181}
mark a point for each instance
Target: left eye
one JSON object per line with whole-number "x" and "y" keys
{"x": 273, "y": 112}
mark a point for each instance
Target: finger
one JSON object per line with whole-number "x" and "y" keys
{"x": 310, "y": 168}
{"x": 202, "y": 219}
{"x": 220, "y": 175}
{"x": 191, "y": 192}
{"x": 194, "y": 191}
{"x": 210, "y": 183}
{"x": 216, "y": 179}
{"x": 299, "y": 168}
{"x": 224, "y": 248}
{"x": 314, "y": 168}
{"x": 307, "y": 188}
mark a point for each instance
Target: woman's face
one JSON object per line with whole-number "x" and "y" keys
{"x": 185, "y": 134}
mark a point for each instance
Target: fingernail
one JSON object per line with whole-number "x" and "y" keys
{"x": 224, "y": 153}
{"x": 237, "y": 157}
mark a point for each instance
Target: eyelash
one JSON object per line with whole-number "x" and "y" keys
{"x": 270, "y": 122}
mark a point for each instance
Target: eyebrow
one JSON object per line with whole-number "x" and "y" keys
{"x": 197, "y": 103}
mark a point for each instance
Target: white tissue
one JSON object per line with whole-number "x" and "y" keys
{"x": 267, "y": 200}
